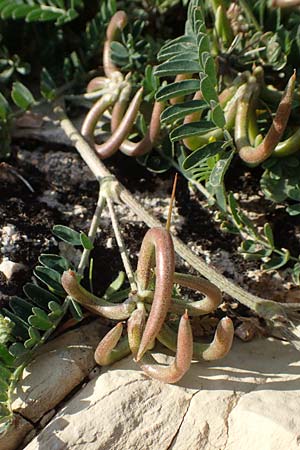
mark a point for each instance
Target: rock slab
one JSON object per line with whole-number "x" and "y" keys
{"x": 248, "y": 401}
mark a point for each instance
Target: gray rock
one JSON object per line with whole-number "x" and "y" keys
{"x": 250, "y": 400}
{"x": 61, "y": 365}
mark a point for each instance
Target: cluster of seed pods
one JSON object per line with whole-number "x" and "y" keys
{"x": 114, "y": 91}
{"x": 242, "y": 102}
{"x": 148, "y": 310}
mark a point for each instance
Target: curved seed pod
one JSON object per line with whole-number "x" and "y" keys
{"x": 257, "y": 155}
{"x": 180, "y": 77}
{"x": 178, "y": 305}
{"x": 175, "y": 371}
{"x": 222, "y": 26}
{"x": 289, "y": 146}
{"x": 104, "y": 349}
{"x": 92, "y": 302}
{"x": 245, "y": 105}
{"x": 96, "y": 83}
{"x": 217, "y": 349}
{"x": 222, "y": 342}
{"x": 117, "y": 23}
{"x": 285, "y": 3}
{"x": 135, "y": 326}
{"x": 157, "y": 241}
{"x": 213, "y": 294}
{"x": 196, "y": 115}
{"x": 112, "y": 144}
{"x": 253, "y": 130}
{"x": 94, "y": 114}
{"x": 228, "y": 93}
{"x": 194, "y": 142}
{"x": 144, "y": 145}
{"x": 119, "y": 108}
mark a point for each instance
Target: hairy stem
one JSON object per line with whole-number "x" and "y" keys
{"x": 121, "y": 245}
{"x": 92, "y": 232}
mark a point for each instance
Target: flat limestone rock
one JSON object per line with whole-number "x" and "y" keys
{"x": 62, "y": 364}
{"x": 250, "y": 400}
{"x": 15, "y": 434}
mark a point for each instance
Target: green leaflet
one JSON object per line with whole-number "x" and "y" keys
{"x": 177, "y": 67}
{"x": 21, "y": 96}
{"x": 180, "y": 110}
{"x": 115, "y": 285}
{"x": 39, "y": 296}
{"x": 66, "y": 234}
{"x": 191, "y": 129}
{"x": 177, "y": 89}
{"x": 195, "y": 159}
{"x": 216, "y": 180}
{"x": 55, "y": 262}
{"x": 51, "y": 278}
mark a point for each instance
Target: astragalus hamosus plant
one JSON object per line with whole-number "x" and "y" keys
{"x": 148, "y": 307}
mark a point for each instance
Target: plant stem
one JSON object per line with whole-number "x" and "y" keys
{"x": 92, "y": 232}
{"x": 121, "y": 245}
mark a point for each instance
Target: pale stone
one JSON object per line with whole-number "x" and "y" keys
{"x": 9, "y": 268}
{"x": 248, "y": 401}
{"x": 15, "y": 434}
{"x": 61, "y": 365}
{"x": 121, "y": 409}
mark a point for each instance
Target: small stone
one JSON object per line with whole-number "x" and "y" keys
{"x": 9, "y": 268}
